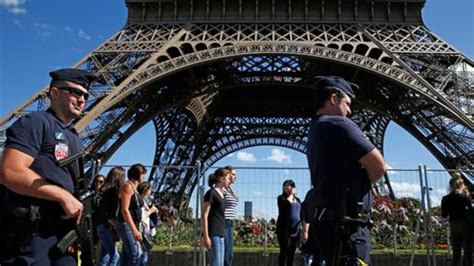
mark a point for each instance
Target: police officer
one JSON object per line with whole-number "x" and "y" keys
{"x": 37, "y": 203}
{"x": 343, "y": 164}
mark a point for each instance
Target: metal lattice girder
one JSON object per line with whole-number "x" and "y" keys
{"x": 207, "y": 56}
{"x": 242, "y": 132}
{"x": 333, "y": 40}
{"x": 191, "y": 66}
{"x": 176, "y": 143}
{"x": 229, "y": 134}
{"x": 409, "y": 39}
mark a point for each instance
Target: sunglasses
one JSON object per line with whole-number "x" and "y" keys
{"x": 75, "y": 92}
{"x": 100, "y": 181}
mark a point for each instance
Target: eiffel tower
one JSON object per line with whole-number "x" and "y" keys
{"x": 217, "y": 76}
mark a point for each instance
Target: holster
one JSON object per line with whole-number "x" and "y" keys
{"x": 18, "y": 225}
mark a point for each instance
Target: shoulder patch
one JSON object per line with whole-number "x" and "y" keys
{"x": 59, "y": 136}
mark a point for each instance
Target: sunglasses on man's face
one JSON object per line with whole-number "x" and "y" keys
{"x": 100, "y": 181}
{"x": 75, "y": 92}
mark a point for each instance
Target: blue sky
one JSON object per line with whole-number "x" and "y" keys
{"x": 38, "y": 36}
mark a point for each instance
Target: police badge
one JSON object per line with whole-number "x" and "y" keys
{"x": 61, "y": 151}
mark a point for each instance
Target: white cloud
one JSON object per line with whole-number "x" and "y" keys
{"x": 14, "y": 6}
{"x": 390, "y": 170}
{"x": 17, "y": 10}
{"x": 68, "y": 29}
{"x": 267, "y": 214}
{"x": 404, "y": 189}
{"x": 43, "y": 26}
{"x": 436, "y": 195}
{"x": 435, "y": 200}
{"x": 246, "y": 157}
{"x": 9, "y": 3}
{"x": 230, "y": 155}
{"x": 279, "y": 156}
{"x": 257, "y": 193}
{"x": 286, "y": 171}
{"x": 43, "y": 35}
{"x": 84, "y": 35}
{"x": 44, "y": 31}
{"x": 441, "y": 191}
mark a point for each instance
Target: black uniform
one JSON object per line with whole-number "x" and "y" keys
{"x": 46, "y": 138}
{"x": 30, "y": 227}
{"x": 335, "y": 144}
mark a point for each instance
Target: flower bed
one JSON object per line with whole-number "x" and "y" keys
{"x": 395, "y": 223}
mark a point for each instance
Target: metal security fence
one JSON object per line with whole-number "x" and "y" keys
{"x": 409, "y": 223}
{"x": 260, "y": 187}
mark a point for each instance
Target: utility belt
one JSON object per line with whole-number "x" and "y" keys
{"x": 325, "y": 214}
{"x": 19, "y": 223}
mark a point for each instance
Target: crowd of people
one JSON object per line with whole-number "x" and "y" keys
{"x": 40, "y": 207}
{"x": 121, "y": 212}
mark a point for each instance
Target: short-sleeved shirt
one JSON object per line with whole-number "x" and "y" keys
{"x": 456, "y": 206}
{"x": 335, "y": 145}
{"x": 215, "y": 220}
{"x": 231, "y": 202}
{"x": 47, "y": 139}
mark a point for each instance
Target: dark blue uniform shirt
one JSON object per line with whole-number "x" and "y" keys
{"x": 47, "y": 139}
{"x": 335, "y": 145}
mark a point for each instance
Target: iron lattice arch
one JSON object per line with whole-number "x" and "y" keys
{"x": 217, "y": 77}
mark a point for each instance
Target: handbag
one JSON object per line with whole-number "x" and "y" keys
{"x": 147, "y": 239}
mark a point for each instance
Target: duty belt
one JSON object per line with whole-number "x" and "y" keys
{"x": 324, "y": 214}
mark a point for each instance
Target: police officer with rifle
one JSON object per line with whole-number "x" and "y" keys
{"x": 38, "y": 199}
{"x": 83, "y": 235}
{"x": 343, "y": 163}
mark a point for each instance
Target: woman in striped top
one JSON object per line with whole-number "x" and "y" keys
{"x": 212, "y": 217}
{"x": 231, "y": 201}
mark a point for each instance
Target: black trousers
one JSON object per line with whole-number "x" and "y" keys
{"x": 461, "y": 239}
{"x": 33, "y": 242}
{"x": 38, "y": 252}
{"x": 287, "y": 249}
{"x": 354, "y": 245}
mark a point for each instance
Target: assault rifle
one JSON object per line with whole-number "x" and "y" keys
{"x": 344, "y": 223}
{"x": 83, "y": 233}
